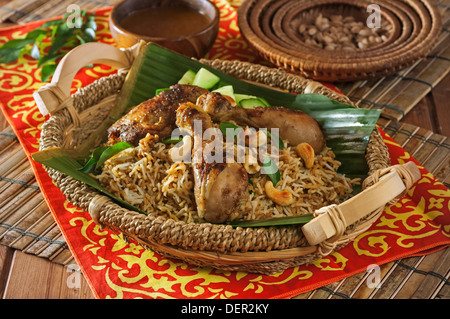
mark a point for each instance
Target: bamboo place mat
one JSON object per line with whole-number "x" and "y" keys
{"x": 26, "y": 223}
{"x": 430, "y": 149}
{"x": 399, "y": 93}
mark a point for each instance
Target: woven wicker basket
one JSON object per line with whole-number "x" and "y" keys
{"x": 262, "y": 250}
{"x": 270, "y": 26}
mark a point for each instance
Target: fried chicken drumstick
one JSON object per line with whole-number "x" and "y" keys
{"x": 155, "y": 116}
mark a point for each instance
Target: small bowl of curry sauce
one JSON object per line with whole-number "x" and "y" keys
{"x": 189, "y": 27}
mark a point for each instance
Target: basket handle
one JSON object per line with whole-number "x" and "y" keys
{"x": 55, "y": 95}
{"x": 389, "y": 185}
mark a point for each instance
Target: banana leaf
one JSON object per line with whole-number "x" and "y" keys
{"x": 279, "y": 221}
{"x": 347, "y": 128}
{"x": 67, "y": 162}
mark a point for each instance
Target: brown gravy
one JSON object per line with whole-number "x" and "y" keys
{"x": 167, "y": 22}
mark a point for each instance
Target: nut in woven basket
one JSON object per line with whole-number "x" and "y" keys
{"x": 332, "y": 40}
{"x": 337, "y": 33}
{"x": 264, "y": 250}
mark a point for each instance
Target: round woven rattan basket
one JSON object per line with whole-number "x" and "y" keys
{"x": 272, "y": 28}
{"x": 262, "y": 250}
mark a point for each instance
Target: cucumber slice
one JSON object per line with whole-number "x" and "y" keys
{"x": 226, "y": 90}
{"x": 205, "y": 79}
{"x": 187, "y": 77}
{"x": 264, "y": 101}
{"x": 251, "y": 103}
{"x": 240, "y": 97}
{"x": 221, "y": 84}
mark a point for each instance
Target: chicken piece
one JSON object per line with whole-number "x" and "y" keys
{"x": 295, "y": 126}
{"x": 226, "y": 195}
{"x": 155, "y": 116}
{"x": 220, "y": 188}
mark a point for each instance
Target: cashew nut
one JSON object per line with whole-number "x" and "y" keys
{"x": 306, "y": 152}
{"x": 282, "y": 198}
{"x": 255, "y": 138}
{"x": 182, "y": 153}
{"x": 251, "y": 164}
{"x": 262, "y": 138}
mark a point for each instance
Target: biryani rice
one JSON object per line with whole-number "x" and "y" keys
{"x": 146, "y": 177}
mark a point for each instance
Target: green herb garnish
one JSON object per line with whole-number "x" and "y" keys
{"x": 101, "y": 154}
{"x": 227, "y": 127}
{"x": 269, "y": 166}
{"x": 271, "y": 169}
{"x": 172, "y": 140}
{"x": 66, "y": 33}
{"x": 64, "y": 161}
{"x": 161, "y": 90}
{"x": 269, "y": 135}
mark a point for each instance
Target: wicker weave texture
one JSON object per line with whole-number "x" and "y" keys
{"x": 268, "y": 26}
